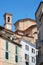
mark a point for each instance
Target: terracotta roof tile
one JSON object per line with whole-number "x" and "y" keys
{"x": 23, "y": 20}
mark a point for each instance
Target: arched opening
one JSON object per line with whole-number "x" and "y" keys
{"x": 8, "y": 19}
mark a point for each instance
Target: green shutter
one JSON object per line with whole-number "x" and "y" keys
{"x": 16, "y": 52}
{"x": 16, "y": 58}
{"x": 16, "y": 49}
{"x": 6, "y": 55}
{"x": 6, "y": 45}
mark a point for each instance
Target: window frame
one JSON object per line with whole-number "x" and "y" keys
{"x": 33, "y": 50}
{"x": 27, "y": 47}
{"x": 33, "y": 59}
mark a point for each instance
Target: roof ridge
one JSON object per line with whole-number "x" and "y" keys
{"x": 25, "y": 19}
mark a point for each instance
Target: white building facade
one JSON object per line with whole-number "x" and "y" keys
{"x": 29, "y": 52}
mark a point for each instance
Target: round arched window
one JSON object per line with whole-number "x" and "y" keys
{"x": 8, "y": 19}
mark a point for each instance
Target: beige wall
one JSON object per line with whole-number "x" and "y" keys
{"x": 11, "y": 50}
{"x": 29, "y": 39}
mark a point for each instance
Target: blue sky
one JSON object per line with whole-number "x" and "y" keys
{"x": 19, "y": 9}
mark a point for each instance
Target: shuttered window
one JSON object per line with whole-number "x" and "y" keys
{"x": 6, "y": 55}
{"x": 7, "y": 45}
{"x": 16, "y": 58}
{"x": 16, "y": 52}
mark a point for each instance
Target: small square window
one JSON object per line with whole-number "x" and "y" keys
{"x": 26, "y": 47}
{"x": 33, "y": 51}
{"x": 33, "y": 59}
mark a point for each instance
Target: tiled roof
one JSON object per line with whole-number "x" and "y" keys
{"x": 6, "y": 37}
{"x": 26, "y": 19}
{"x": 32, "y": 26}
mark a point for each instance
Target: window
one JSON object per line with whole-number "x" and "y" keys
{"x": 16, "y": 51}
{"x": 26, "y": 57}
{"x": 12, "y": 38}
{"x": 33, "y": 59}
{"x": 16, "y": 58}
{"x": 26, "y": 47}
{"x": 33, "y": 51}
{"x": 6, "y": 54}
{"x": 7, "y": 45}
{"x": 27, "y": 63}
{"x": 8, "y": 19}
